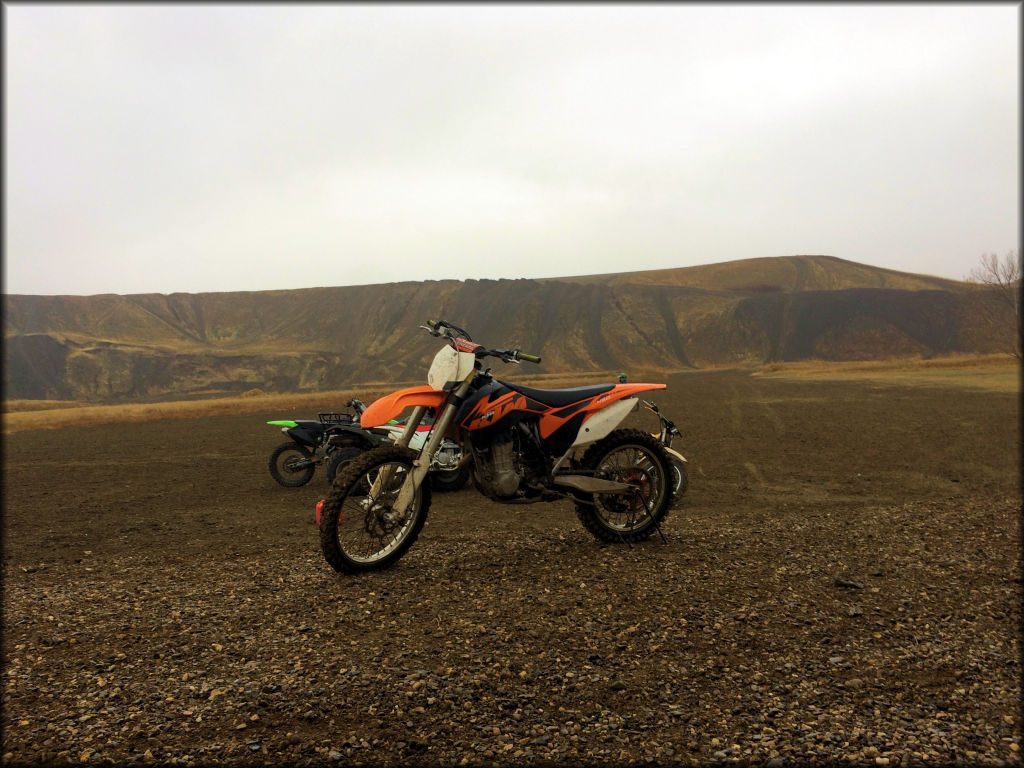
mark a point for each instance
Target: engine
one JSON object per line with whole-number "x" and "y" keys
{"x": 447, "y": 456}
{"x": 509, "y": 467}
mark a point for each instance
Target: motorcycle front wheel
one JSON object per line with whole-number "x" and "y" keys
{"x": 359, "y": 528}
{"x": 636, "y": 458}
{"x": 292, "y": 465}
{"x": 680, "y": 481}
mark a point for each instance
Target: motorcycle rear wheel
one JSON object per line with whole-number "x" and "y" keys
{"x": 359, "y": 531}
{"x": 634, "y": 457}
{"x": 290, "y": 465}
{"x": 449, "y": 479}
{"x": 339, "y": 459}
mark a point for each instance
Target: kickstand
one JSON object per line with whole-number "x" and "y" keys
{"x": 624, "y": 539}
{"x": 663, "y": 539}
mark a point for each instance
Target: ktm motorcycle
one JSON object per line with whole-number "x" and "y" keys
{"x": 526, "y": 445}
{"x": 447, "y": 473}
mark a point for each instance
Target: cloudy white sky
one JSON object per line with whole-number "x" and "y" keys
{"x": 199, "y": 148}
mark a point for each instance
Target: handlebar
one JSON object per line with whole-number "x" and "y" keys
{"x": 667, "y": 423}
{"x": 446, "y": 329}
{"x": 452, "y": 332}
{"x": 507, "y": 355}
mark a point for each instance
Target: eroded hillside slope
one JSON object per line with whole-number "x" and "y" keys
{"x": 112, "y": 348}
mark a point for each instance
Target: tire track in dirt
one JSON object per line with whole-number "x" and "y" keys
{"x": 754, "y": 420}
{"x": 754, "y": 472}
{"x": 736, "y": 418}
{"x": 772, "y": 415}
{"x": 742, "y": 426}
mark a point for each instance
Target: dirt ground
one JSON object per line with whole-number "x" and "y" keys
{"x": 841, "y": 583}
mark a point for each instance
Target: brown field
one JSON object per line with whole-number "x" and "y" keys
{"x": 841, "y": 584}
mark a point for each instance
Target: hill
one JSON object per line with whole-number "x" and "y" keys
{"x": 769, "y": 274}
{"x": 114, "y": 348}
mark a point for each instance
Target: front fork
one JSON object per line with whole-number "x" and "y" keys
{"x": 410, "y": 426}
{"x": 421, "y": 466}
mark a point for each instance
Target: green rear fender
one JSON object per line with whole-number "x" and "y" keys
{"x": 287, "y": 424}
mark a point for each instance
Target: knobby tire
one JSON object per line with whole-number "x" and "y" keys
{"x": 291, "y": 479}
{"x": 350, "y": 483}
{"x": 595, "y": 454}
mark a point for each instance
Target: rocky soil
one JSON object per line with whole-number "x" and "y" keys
{"x": 841, "y": 584}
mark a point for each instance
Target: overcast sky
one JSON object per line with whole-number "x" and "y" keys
{"x": 199, "y": 148}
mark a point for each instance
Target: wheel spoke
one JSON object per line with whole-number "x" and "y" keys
{"x": 367, "y": 527}
{"x": 634, "y": 465}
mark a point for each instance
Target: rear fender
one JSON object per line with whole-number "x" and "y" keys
{"x": 346, "y": 435}
{"x": 620, "y": 391}
{"x": 616, "y": 394}
{"x": 304, "y": 435}
{"x": 607, "y": 411}
{"x": 391, "y": 406}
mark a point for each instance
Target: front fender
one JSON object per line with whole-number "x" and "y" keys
{"x": 391, "y": 406}
{"x": 674, "y": 454}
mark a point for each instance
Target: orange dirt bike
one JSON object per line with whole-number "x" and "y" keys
{"x": 526, "y": 445}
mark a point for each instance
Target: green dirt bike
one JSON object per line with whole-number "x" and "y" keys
{"x": 333, "y": 438}
{"x": 679, "y": 477}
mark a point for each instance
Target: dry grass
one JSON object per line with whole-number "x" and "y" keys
{"x": 92, "y": 415}
{"x": 12, "y": 406}
{"x": 999, "y": 373}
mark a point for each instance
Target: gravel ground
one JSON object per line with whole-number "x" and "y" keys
{"x": 842, "y": 584}
{"x": 794, "y": 638}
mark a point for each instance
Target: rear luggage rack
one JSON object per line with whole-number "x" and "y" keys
{"x": 334, "y": 418}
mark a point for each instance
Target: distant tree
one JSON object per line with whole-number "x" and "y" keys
{"x": 1002, "y": 280}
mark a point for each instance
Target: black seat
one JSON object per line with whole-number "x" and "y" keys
{"x": 557, "y": 398}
